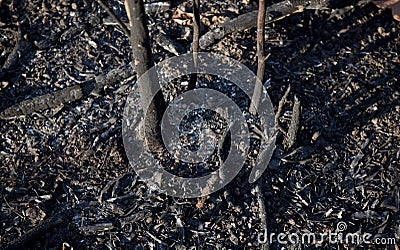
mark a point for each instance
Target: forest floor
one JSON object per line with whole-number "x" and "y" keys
{"x": 342, "y": 174}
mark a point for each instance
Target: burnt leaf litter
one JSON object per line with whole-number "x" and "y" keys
{"x": 65, "y": 179}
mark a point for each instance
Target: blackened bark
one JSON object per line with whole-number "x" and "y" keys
{"x": 143, "y": 61}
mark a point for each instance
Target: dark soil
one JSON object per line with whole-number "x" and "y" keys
{"x": 343, "y": 167}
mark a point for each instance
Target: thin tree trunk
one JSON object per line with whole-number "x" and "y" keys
{"x": 196, "y": 25}
{"x": 260, "y": 56}
{"x": 143, "y": 61}
{"x": 195, "y": 44}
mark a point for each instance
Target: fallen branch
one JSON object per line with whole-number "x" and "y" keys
{"x": 68, "y": 94}
{"x": 275, "y": 12}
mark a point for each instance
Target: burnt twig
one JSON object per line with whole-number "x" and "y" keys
{"x": 280, "y": 107}
{"x": 195, "y": 44}
{"x": 255, "y": 101}
{"x": 115, "y": 17}
{"x": 20, "y": 49}
{"x": 291, "y": 135}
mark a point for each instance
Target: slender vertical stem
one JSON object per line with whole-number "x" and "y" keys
{"x": 195, "y": 44}
{"x": 260, "y": 41}
{"x": 256, "y": 100}
{"x": 260, "y": 56}
{"x": 196, "y": 25}
{"x": 143, "y": 58}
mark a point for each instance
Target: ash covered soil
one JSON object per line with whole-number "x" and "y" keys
{"x": 343, "y": 166}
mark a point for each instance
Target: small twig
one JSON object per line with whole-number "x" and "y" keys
{"x": 291, "y": 135}
{"x": 261, "y": 208}
{"x": 156, "y": 239}
{"x": 100, "y": 227}
{"x": 261, "y": 59}
{"x": 195, "y": 44}
{"x": 280, "y": 107}
{"x": 117, "y": 19}
{"x": 12, "y": 209}
{"x": 72, "y": 78}
{"x": 258, "y": 88}
{"x": 196, "y": 27}
{"x": 260, "y": 41}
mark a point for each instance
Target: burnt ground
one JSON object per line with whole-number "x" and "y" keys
{"x": 343, "y": 167}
